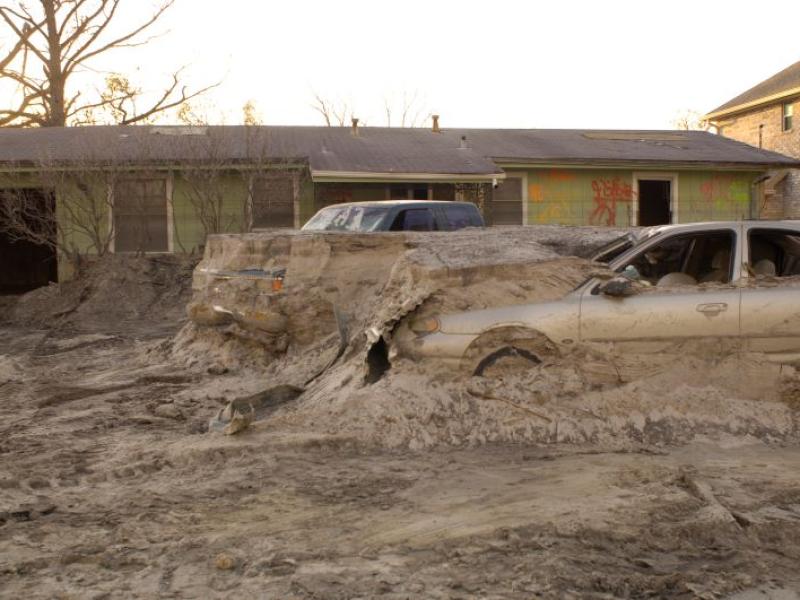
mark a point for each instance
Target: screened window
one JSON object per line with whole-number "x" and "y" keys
{"x": 273, "y": 201}
{"x": 788, "y": 114}
{"x": 506, "y": 207}
{"x": 140, "y": 215}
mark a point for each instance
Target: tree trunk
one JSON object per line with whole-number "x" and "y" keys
{"x": 56, "y": 106}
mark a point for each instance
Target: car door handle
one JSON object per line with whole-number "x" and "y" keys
{"x": 712, "y": 308}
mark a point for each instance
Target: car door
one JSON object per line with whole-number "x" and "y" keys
{"x": 661, "y": 317}
{"x": 771, "y": 296}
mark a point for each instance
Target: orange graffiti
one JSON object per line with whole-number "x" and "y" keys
{"x": 607, "y": 193}
{"x": 535, "y": 192}
{"x": 561, "y": 175}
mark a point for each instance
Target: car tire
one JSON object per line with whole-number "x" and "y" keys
{"x": 507, "y": 350}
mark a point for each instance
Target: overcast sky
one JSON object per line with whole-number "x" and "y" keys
{"x": 568, "y": 63}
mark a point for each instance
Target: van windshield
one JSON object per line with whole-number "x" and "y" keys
{"x": 347, "y": 218}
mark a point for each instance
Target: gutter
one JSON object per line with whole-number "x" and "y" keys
{"x": 650, "y": 165}
{"x": 361, "y": 176}
{"x": 753, "y": 103}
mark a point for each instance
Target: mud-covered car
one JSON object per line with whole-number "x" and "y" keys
{"x": 731, "y": 285}
{"x": 396, "y": 215}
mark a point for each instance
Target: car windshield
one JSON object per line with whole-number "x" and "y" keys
{"x": 347, "y": 218}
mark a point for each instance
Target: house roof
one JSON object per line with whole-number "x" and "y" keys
{"x": 376, "y": 152}
{"x": 781, "y": 85}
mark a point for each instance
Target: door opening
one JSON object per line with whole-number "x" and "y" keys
{"x": 655, "y": 202}
{"x": 26, "y": 265}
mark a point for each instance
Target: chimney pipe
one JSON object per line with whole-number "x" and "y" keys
{"x": 463, "y": 145}
{"x": 355, "y": 127}
{"x": 436, "y": 124}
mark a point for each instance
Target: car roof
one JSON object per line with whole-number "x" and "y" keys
{"x": 649, "y": 231}
{"x": 391, "y": 203}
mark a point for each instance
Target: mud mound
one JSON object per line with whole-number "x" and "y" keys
{"x": 674, "y": 403}
{"x": 343, "y": 294}
{"x": 114, "y": 293}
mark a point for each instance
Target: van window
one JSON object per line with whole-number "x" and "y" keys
{"x": 414, "y": 219}
{"x": 460, "y": 216}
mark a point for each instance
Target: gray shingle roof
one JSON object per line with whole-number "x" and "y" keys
{"x": 788, "y": 79}
{"x": 377, "y": 149}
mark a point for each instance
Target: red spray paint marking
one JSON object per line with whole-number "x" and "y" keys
{"x": 607, "y": 193}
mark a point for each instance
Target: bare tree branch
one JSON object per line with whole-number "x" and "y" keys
{"x": 59, "y": 38}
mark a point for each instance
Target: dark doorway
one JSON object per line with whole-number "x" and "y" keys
{"x": 26, "y": 265}
{"x": 654, "y": 202}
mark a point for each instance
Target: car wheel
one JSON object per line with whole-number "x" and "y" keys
{"x": 508, "y": 350}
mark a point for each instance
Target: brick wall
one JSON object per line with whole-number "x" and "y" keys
{"x": 764, "y": 127}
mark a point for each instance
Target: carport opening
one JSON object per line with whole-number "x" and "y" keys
{"x": 26, "y": 265}
{"x": 654, "y": 202}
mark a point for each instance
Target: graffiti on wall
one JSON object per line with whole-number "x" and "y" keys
{"x": 608, "y": 195}
{"x": 725, "y": 191}
{"x": 551, "y": 211}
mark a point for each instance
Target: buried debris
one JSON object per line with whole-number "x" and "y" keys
{"x": 241, "y": 412}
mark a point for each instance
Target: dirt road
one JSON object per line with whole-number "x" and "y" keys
{"x": 111, "y": 488}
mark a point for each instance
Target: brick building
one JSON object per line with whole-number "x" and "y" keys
{"x": 768, "y": 116}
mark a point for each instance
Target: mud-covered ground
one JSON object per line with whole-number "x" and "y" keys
{"x": 111, "y": 490}
{"x": 679, "y": 483}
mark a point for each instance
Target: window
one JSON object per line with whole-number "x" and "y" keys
{"x": 140, "y": 216}
{"x": 774, "y": 253}
{"x": 685, "y": 260}
{"x": 506, "y": 206}
{"x": 273, "y": 201}
{"x": 459, "y": 216}
{"x": 787, "y": 114}
{"x": 417, "y": 219}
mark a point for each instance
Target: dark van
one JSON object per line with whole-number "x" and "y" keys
{"x": 396, "y": 215}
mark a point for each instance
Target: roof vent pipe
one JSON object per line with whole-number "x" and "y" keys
{"x": 463, "y": 145}
{"x": 436, "y": 124}
{"x": 355, "y": 127}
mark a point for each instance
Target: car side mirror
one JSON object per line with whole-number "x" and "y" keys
{"x": 619, "y": 287}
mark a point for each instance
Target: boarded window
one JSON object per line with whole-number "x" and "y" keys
{"x": 273, "y": 201}
{"x": 140, "y": 216}
{"x": 506, "y": 206}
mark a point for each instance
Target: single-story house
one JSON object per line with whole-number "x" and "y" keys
{"x": 163, "y": 189}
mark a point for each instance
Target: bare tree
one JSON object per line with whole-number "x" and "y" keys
{"x": 410, "y": 111}
{"x": 690, "y": 120}
{"x": 334, "y": 113}
{"x": 53, "y": 40}
{"x": 406, "y": 110}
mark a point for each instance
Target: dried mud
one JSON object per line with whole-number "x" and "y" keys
{"x": 678, "y": 481}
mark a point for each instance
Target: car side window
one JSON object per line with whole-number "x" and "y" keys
{"x": 459, "y": 216}
{"x": 414, "y": 219}
{"x": 688, "y": 259}
{"x": 774, "y": 252}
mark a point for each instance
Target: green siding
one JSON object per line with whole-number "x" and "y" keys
{"x": 189, "y": 233}
{"x": 606, "y": 197}
{"x": 714, "y": 196}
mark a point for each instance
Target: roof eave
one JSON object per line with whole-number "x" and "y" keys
{"x": 324, "y": 176}
{"x": 510, "y": 163}
{"x": 716, "y": 114}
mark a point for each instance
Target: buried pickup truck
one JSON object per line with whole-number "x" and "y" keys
{"x": 725, "y": 284}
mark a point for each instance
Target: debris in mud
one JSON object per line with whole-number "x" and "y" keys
{"x": 241, "y": 412}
